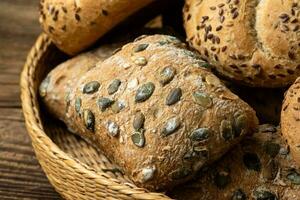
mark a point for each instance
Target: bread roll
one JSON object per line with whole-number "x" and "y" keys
{"x": 260, "y": 168}
{"x": 252, "y": 42}
{"x": 157, "y": 112}
{"x": 74, "y": 25}
{"x": 290, "y": 119}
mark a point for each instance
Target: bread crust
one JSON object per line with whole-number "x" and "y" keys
{"x": 74, "y": 25}
{"x": 260, "y": 167}
{"x": 156, "y": 111}
{"x": 252, "y": 42}
{"x": 290, "y": 119}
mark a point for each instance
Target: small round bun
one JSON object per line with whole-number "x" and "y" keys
{"x": 252, "y": 42}
{"x": 290, "y": 119}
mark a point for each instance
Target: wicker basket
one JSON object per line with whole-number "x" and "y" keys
{"x": 74, "y": 168}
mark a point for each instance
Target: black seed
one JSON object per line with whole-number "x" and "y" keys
{"x": 226, "y": 130}
{"x": 204, "y": 18}
{"x": 144, "y": 92}
{"x": 221, "y": 12}
{"x": 104, "y": 12}
{"x": 222, "y": 180}
{"x": 272, "y": 149}
{"x": 77, "y": 16}
{"x": 64, "y": 9}
{"x": 264, "y": 195}
{"x": 252, "y": 161}
{"x": 44, "y": 86}
{"x": 180, "y": 173}
{"x": 188, "y": 17}
{"x": 140, "y": 47}
{"x": 202, "y": 99}
{"x": 291, "y": 55}
{"x": 240, "y": 123}
{"x": 294, "y": 177}
{"x": 221, "y": 5}
{"x": 104, "y": 103}
{"x": 138, "y": 138}
{"x": 235, "y": 15}
{"x": 138, "y": 121}
{"x": 89, "y": 120}
{"x": 78, "y": 104}
{"x": 112, "y": 128}
{"x": 213, "y": 8}
{"x": 91, "y": 87}
{"x": 219, "y": 28}
{"x": 166, "y": 75}
{"x": 200, "y": 134}
{"x": 222, "y": 19}
{"x": 174, "y": 96}
{"x": 113, "y": 86}
{"x": 239, "y": 195}
{"x": 170, "y": 127}
{"x": 224, "y": 48}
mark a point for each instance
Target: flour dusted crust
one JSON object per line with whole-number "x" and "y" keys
{"x": 290, "y": 119}
{"x": 156, "y": 111}
{"x": 249, "y": 41}
{"x": 259, "y": 168}
{"x": 74, "y": 25}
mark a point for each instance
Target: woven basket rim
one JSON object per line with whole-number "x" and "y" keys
{"x": 40, "y": 138}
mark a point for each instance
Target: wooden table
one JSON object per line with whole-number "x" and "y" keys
{"x": 21, "y": 176}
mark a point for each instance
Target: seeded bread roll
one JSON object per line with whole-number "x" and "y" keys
{"x": 252, "y": 42}
{"x": 290, "y": 119}
{"x": 259, "y": 168}
{"x": 74, "y": 25}
{"x": 157, "y": 112}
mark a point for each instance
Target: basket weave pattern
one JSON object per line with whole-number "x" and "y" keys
{"x": 74, "y": 168}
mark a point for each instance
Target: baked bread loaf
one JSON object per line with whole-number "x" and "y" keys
{"x": 74, "y": 25}
{"x": 259, "y": 168}
{"x": 252, "y": 42}
{"x": 157, "y": 112}
{"x": 290, "y": 119}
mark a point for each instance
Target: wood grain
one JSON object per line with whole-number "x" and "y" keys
{"x": 21, "y": 176}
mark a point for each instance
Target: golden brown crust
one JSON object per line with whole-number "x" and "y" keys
{"x": 157, "y": 113}
{"x": 74, "y": 25}
{"x": 259, "y": 168}
{"x": 249, "y": 41}
{"x": 290, "y": 119}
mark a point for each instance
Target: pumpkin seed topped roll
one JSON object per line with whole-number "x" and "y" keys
{"x": 252, "y": 42}
{"x": 157, "y": 111}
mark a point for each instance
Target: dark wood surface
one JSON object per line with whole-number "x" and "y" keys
{"x": 21, "y": 176}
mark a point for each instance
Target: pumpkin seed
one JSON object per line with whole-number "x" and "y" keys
{"x": 264, "y": 195}
{"x": 170, "y": 126}
{"x": 141, "y": 61}
{"x": 91, "y": 87}
{"x": 239, "y": 195}
{"x": 272, "y": 149}
{"x": 226, "y": 130}
{"x": 240, "y": 123}
{"x": 104, "y": 103}
{"x": 294, "y": 177}
{"x": 202, "y": 99}
{"x": 140, "y": 47}
{"x": 78, "y": 104}
{"x": 144, "y": 92}
{"x": 180, "y": 173}
{"x": 138, "y": 138}
{"x": 200, "y": 134}
{"x": 44, "y": 86}
{"x": 174, "y": 96}
{"x": 148, "y": 173}
{"x": 113, "y": 86}
{"x": 117, "y": 106}
{"x": 221, "y": 180}
{"x": 89, "y": 120}
{"x": 138, "y": 121}
{"x": 113, "y": 128}
{"x": 166, "y": 75}
{"x": 252, "y": 161}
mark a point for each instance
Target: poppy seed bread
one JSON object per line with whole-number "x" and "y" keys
{"x": 75, "y": 25}
{"x": 290, "y": 119}
{"x": 259, "y": 168}
{"x": 157, "y": 112}
{"x": 249, "y": 41}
